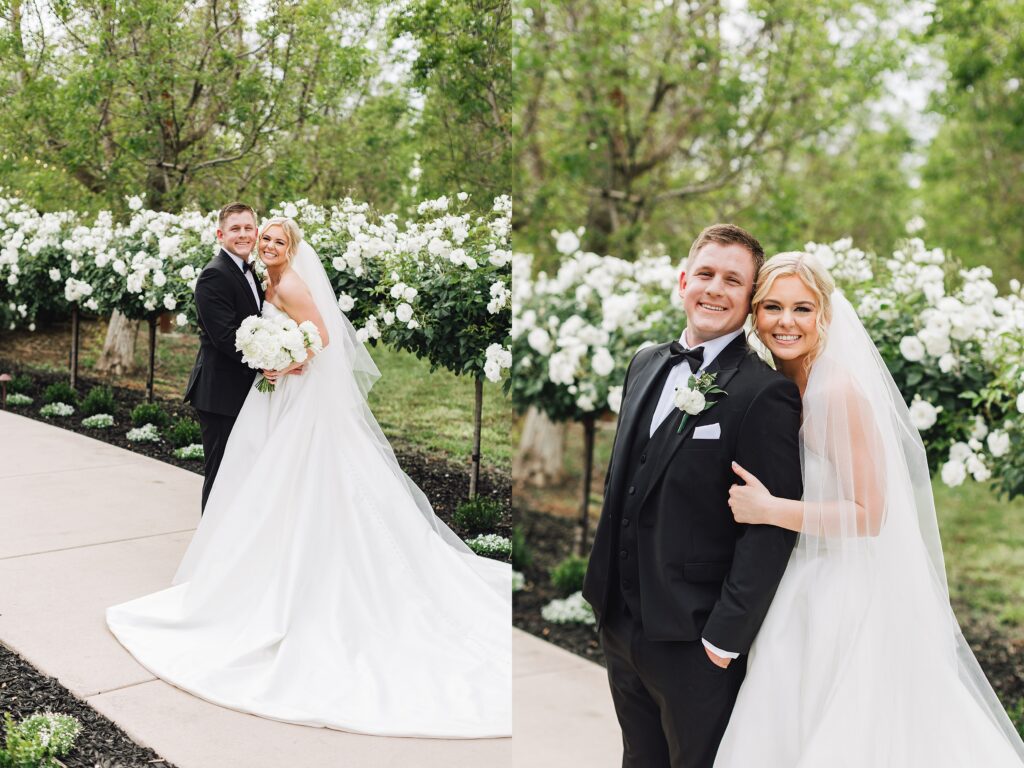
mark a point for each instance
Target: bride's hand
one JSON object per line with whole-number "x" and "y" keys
{"x": 750, "y": 503}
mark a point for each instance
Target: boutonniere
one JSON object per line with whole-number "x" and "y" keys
{"x": 692, "y": 399}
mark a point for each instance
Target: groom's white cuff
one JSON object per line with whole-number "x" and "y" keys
{"x": 719, "y": 651}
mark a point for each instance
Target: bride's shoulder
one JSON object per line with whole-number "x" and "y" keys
{"x": 291, "y": 287}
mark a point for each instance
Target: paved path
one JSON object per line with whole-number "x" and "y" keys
{"x": 84, "y": 525}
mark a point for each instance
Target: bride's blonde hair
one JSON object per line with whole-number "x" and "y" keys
{"x": 813, "y": 274}
{"x": 292, "y": 233}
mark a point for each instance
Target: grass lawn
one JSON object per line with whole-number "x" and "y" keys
{"x": 430, "y": 411}
{"x": 982, "y": 536}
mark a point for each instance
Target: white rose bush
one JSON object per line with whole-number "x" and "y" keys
{"x": 954, "y": 344}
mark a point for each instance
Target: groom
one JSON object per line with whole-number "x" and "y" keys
{"x": 226, "y": 293}
{"x": 679, "y": 588}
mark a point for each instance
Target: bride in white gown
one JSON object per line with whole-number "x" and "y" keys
{"x": 319, "y": 587}
{"x": 860, "y": 662}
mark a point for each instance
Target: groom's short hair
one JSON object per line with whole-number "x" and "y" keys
{"x": 232, "y": 208}
{"x": 728, "y": 234}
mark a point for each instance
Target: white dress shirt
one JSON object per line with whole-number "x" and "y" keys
{"x": 666, "y": 404}
{"x": 247, "y": 273}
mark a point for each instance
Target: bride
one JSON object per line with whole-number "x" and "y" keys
{"x": 860, "y": 661}
{"x": 320, "y": 588}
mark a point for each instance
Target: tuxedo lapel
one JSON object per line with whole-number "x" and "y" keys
{"x": 239, "y": 277}
{"x": 725, "y": 367}
{"x": 633, "y": 407}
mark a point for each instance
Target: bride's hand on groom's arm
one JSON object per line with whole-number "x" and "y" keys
{"x": 754, "y": 504}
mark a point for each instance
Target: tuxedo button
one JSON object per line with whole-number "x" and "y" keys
{"x": 643, "y": 458}
{"x": 632, "y": 490}
{"x": 625, "y": 522}
{"x": 623, "y": 554}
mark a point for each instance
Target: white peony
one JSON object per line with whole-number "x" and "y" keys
{"x": 403, "y": 312}
{"x": 602, "y": 362}
{"x": 998, "y": 443}
{"x": 159, "y": 279}
{"x": 55, "y": 275}
{"x": 181, "y": 319}
{"x": 953, "y": 473}
{"x": 346, "y": 302}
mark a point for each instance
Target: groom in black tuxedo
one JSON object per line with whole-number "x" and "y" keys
{"x": 679, "y": 588}
{"x": 226, "y": 293}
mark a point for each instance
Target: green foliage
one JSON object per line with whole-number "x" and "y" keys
{"x": 568, "y": 575}
{"x": 21, "y": 383}
{"x": 98, "y": 400}
{"x": 150, "y": 413}
{"x": 37, "y": 741}
{"x": 477, "y": 515}
{"x": 522, "y": 558}
{"x": 60, "y": 392}
{"x": 183, "y": 432}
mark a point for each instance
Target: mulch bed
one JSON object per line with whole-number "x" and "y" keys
{"x": 101, "y": 744}
{"x": 551, "y": 540}
{"x": 25, "y": 691}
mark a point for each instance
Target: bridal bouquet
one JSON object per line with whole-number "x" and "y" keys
{"x": 275, "y": 343}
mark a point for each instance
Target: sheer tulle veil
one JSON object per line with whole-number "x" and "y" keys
{"x": 348, "y": 364}
{"x": 869, "y": 506}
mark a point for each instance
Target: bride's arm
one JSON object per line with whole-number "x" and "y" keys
{"x": 859, "y": 465}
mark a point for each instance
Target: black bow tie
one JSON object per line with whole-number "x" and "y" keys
{"x": 246, "y": 266}
{"x": 677, "y": 353}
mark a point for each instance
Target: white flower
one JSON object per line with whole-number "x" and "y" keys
{"x": 403, "y": 312}
{"x": 572, "y": 610}
{"x": 689, "y": 401}
{"x": 346, "y": 302}
{"x": 911, "y": 348}
{"x": 947, "y": 362}
{"x": 159, "y": 279}
{"x": 602, "y": 362}
{"x": 144, "y": 434}
{"x": 566, "y": 242}
{"x": 539, "y": 340}
{"x": 187, "y": 272}
{"x": 980, "y": 429}
{"x": 923, "y": 414}
{"x": 397, "y": 290}
{"x": 615, "y": 399}
{"x": 1020, "y": 402}
{"x": 959, "y": 452}
{"x": 953, "y": 473}
{"x": 998, "y": 443}
{"x": 388, "y": 317}
{"x": 410, "y": 293}
{"x": 915, "y": 225}
{"x": 169, "y": 302}
{"x": 135, "y": 203}
{"x": 55, "y": 275}
{"x": 291, "y": 211}
{"x": 518, "y": 581}
{"x": 181, "y": 319}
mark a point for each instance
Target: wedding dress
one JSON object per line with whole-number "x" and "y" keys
{"x": 319, "y": 587}
{"x": 860, "y": 662}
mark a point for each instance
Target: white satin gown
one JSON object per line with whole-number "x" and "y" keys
{"x": 316, "y": 592}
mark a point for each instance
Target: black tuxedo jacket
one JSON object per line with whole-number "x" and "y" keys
{"x": 700, "y": 573}
{"x": 220, "y": 380}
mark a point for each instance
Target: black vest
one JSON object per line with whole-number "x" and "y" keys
{"x": 643, "y": 449}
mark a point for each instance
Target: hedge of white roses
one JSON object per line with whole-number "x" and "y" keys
{"x": 955, "y": 347}
{"x": 437, "y": 285}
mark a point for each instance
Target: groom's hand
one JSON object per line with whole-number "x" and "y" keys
{"x": 718, "y": 661}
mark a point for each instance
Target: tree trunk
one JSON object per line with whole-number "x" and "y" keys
{"x": 538, "y": 461}
{"x": 588, "y": 471}
{"x": 474, "y": 477}
{"x": 118, "y": 356}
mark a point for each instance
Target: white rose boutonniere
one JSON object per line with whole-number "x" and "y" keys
{"x": 692, "y": 399}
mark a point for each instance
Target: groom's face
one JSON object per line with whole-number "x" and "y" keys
{"x": 716, "y": 289}
{"x": 238, "y": 233}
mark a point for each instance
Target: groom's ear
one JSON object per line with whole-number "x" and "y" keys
{"x": 682, "y": 283}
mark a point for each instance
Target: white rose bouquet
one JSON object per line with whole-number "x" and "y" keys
{"x": 275, "y": 343}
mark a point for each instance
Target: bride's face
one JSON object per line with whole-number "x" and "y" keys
{"x": 273, "y": 246}
{"x": 787, "y": 319}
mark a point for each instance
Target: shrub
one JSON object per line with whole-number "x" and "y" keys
{"x": 477, "y": 515}
{"x": 50, "y": 410}
{"x": 38, "y": 740}
{"x": 572, "y": 610}
{"x": 99, "y": 400}
{"x": 21, "y": 383}
{"x": 184, "y": 432}
{"x": 191, "y": 452}
{"x": 147, "y": 433}
{"x": 17, "y": 399}
{"x": 98, "y": 421}
{"x": 490, "y": 544}
{"x": 60, "y": 392}
{"x": 568, "y": 575}
{"x": 521, "y": 556}
{"x": 150, "y": 413}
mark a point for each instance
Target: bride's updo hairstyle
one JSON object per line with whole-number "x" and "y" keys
{"x": 292, "y": 233}
{"x": 813, "y": 274}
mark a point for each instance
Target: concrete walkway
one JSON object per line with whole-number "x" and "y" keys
{"x": 84, "y": 525}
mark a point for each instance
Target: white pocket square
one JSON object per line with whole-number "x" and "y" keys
{"x": 707, "y": 432}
